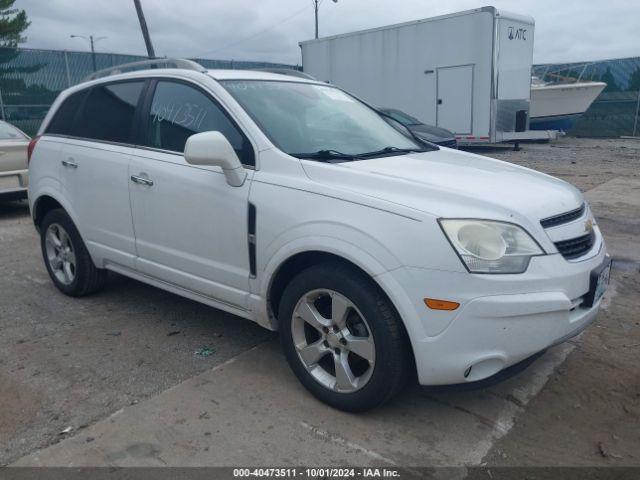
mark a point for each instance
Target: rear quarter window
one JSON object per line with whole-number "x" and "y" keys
{"x": 62, "y": 122}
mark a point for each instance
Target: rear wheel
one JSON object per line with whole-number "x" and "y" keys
{"x": 342, "y": 338}
{"x": 66, "y": 257}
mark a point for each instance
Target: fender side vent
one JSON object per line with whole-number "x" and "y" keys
{"x": 251, "y": 230}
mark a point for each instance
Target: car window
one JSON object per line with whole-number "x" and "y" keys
{"x": 402, "y": 117}
{"x": 9, "y": 132}
{"x": 179, "y": 111}
{"x": 108, "y": 112}
{"x": 62, "y": 122}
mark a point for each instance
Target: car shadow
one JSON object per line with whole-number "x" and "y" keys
{"x": 13, "y": 209}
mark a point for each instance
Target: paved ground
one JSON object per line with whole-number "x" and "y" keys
{"x": 133, "y": 391}
{"x": 252, "y": 411}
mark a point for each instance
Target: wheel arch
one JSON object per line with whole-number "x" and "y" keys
{"x": 301, "y": 260}
{"x": 43, "y": 205}
{"x": 296, "y": 263}
{"x": 292, "y": 259}
{"x": 47, "y": 201}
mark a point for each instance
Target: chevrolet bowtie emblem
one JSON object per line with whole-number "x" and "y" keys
{"x": 588, "y": 225}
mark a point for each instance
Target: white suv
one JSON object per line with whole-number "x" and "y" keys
{"x": 294, "y": 204}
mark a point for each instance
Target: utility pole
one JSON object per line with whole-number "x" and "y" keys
{"x": 92, "y": 41}
{"x": 93, "y": 53}
{"x": 145, "y": 31}
{"x": 635, "y": 122}
{"x": 316, "y": 6}
{"x": 2, "y": 106}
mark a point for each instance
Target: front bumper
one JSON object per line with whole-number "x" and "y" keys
{"x": 502, "y": 319}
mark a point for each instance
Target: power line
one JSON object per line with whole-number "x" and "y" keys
{"x": 233, "y": 44}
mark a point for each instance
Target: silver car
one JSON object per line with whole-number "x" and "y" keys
{"x": 14, "y": 175}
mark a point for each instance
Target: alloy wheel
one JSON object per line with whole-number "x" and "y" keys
{"x": 60, "y": 254}
{"x": 333, "y": 340}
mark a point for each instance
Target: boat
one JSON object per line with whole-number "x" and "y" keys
{"x": 557, "y": 105}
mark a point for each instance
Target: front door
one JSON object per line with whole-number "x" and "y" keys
{"x": 455, "y": 99}
{"x": 190, "y": 225}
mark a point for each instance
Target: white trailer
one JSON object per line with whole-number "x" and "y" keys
{"x": 468, "y": 72}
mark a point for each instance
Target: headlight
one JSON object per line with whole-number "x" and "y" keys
{"x": 485, "y": 246}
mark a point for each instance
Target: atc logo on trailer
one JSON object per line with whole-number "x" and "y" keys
{"x": 517, "y": 33}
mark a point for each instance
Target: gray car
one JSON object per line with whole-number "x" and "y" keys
{"x": 437, "y": 135}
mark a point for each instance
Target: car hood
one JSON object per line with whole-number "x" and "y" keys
{"x": 451, "y": 183}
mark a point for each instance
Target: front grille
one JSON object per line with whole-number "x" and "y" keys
{"x": 576, "y": 247}
{"x": 562, "y": 218}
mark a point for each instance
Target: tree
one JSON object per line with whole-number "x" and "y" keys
{"x": 634, "y": 81}
{"x": 13, "y": 22}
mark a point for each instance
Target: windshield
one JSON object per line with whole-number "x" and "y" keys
{"x": 304, "y": 118}
{"x": 8, "y": 132}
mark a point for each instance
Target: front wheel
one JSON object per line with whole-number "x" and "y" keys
{"x": 342, "y": 338}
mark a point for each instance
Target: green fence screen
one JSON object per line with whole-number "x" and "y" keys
{"x": 616, "y": 111}
{"x": 30, "y": 80}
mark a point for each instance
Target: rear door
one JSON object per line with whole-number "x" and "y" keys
{"x": 13, "y": 155}
{"x": 94, "y": 165}
{"x": 191, "y": 226}
{"x": 13, "y": 148}
{"x": 455, "y": 98}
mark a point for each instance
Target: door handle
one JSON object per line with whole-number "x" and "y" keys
{"x": 69, "y": 163}
{"x": 141, "y": 180}
{"x": 439, "y": 101}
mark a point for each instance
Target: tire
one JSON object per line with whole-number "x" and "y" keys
{"x": 66, "y": 257}
{"x": 377, "y": 375}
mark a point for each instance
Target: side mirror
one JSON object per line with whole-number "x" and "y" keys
{"x": 212, "y": 148}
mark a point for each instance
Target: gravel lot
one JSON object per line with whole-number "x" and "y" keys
{"x": 72, "y": 362}
{"x": 589, "y": 411}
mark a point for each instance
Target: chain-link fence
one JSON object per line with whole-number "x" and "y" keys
{"x": 616, "y": 111}
{"x": 30, "y": 80}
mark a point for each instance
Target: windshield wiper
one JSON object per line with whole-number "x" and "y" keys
{"x": 387, "y": 150}
{"x": 325, "y": 155}
{"x": 328, "y": 155}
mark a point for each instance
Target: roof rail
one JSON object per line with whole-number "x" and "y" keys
{"x": 145, "y": 65}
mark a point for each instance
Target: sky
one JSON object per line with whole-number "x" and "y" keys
{"x": 269, "y": 30}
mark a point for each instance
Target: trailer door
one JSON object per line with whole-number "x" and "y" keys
{"x": 455, "y": 98}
